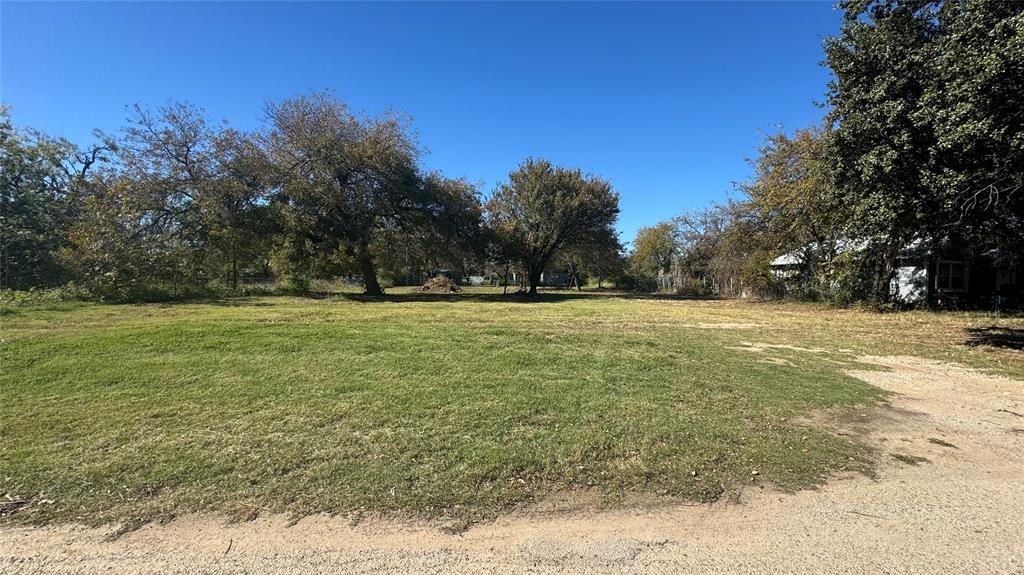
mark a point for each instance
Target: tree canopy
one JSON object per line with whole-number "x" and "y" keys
{"x": 544, "y": 209}
{"x": 345, "y": 181}
{"x": 928, "y": 141}
{"x": 654, "y": 249}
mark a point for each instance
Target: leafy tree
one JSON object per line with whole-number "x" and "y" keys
{"x": 973, "y": 105}
{"x": 600, "y": 258}
{"x": 42, "y": 180}
{"x": 450, "y": 236}
{"x": 792, "y": 199}
{"x": 164, "y": 194}
{"x": 654, "y": 250}
{"x": 544, "y": 209}
{"x": 185, "y": 204}
{"x": 345, "y": 182}
{"x": 109, "y": 250}
{"x": 236, "y": 210}
{"x": 928, "y": 141}
{"x": 881, "y": 141}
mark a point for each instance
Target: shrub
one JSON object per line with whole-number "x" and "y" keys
{"x": 68, "y": 292}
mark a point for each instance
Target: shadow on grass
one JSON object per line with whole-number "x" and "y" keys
{"x": 545, "y": 296}
{"x": 542, "y": 297}
{"x": 996, "y": 336}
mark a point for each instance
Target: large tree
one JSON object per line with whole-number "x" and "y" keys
{"x": 544, "y": 209}
{"x": 42, "y": 182}
{"x": 346, "y": 181}
{"x": 974, "y": 106}
{"x": 928, "y": 138}
{"x": 181, "y": 207}
{"x": 881, "y": 141}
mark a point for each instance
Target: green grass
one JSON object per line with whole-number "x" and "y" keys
{"x": 430, "y": 405}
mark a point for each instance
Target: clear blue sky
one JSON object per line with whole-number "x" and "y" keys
{"x": 666, "y": 100}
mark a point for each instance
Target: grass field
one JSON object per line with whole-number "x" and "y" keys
{"x": 458, "y": 405}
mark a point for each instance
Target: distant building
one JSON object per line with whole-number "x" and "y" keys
{"x": 945, "y": 274}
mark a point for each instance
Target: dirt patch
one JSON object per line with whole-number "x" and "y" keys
{"x": 960, "y": 512}
{"x": 776, "y": 361}
{"x": 723, "y": 325}
{"x": 440, "y": 285}
{"x": 761, "y": 347}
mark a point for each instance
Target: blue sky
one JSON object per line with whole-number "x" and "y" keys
{"x": 666, "y": 100}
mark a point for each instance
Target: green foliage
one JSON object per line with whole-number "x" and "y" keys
{"x": 545, "y": 209}
{"x": 41, "y": 180}
{"x": 796, "y": 209}
{"x": 348, "y": 185}
{"x": 69, "y": 292}
{"x": 654, "y": 250}
{"x": 973, "y": 107}
{"x": 928, "y": 140}
{"x": 178, "y": 206}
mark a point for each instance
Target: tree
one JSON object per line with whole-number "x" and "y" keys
{"x": 449, "y": 235}
{"x": 698, "y": 234}
{"x": 544, "y": 209}
{"x": 928, "y": 138}
{"x": 792, "y": 199}
{"x": 881, "y": 141}
{"x": 167, "y": 185}
{"x": 654, "y": 250}
{"x": 235, "y": 205}
{"x": 185, "y": 206}
{"x": 346, "y": 181}
{"x": 42, "y": 181}
{"x": 974, "y": 106}
{"x": 600, "y": 257}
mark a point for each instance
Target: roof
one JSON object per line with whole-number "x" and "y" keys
{"x": 796, "y": 257}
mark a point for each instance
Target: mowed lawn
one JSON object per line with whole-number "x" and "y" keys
{"x": 439, "y": 406}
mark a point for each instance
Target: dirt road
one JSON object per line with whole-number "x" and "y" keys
{"x": 949, "y": 497}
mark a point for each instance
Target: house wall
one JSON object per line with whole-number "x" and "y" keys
{"x": 910, "y": 284}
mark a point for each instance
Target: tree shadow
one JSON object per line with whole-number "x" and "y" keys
{"x": 996, "y": 336}
{"x": 545, "y": 296}
{"x": 549, "y": 295}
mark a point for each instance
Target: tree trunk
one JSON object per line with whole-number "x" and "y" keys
{"x": 504, "y": 289}
{"x": 534, "y": 274}
{"x": 234, "y": 270}
{"x": 883, "y": 282}
{"x": 370, "y": 285}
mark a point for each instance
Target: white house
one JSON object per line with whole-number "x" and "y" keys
{"x": 927, "y": 274}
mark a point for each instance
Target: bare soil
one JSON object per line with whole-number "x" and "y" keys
{"x": 948, "y": 497}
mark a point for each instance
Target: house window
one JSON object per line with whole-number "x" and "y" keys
{"x": 951, "y": 277}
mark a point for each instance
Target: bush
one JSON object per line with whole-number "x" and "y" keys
{"x": 66, "y": 293}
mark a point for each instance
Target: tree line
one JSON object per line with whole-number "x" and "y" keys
{"x": 922, "y": 142}
{"x": 175, "y": 205}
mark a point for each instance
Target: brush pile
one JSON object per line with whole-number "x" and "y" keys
{"x": 440, "y": 284}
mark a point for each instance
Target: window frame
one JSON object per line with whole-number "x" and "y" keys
{"x": 948, "y": 264}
